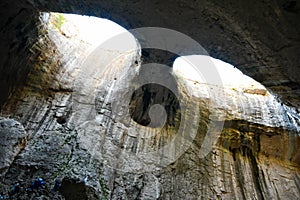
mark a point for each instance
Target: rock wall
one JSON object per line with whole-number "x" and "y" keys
{"x": 74, "y": 135}
{"x": 17, "y": 34}
{"x": 48, "y": 134}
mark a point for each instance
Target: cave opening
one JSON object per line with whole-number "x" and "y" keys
{"x": 191, "y": 67}
{"x": 92, "y": 32}
{"x": 261, "y": 39}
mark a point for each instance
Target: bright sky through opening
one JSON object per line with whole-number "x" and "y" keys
{"x": 97, "y": 31}
{"x": 109, "y": 35}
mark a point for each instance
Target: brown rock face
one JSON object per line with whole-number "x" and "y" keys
{"x": 235, "y": 143}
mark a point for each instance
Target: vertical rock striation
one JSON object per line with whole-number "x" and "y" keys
{"x": 78, "y": 131}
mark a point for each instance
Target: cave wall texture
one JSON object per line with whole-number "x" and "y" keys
{"x": 257, "y": 156}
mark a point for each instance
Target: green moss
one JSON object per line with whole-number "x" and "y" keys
{"x": 57, "y": 20}
{"x": 61, "y": 20}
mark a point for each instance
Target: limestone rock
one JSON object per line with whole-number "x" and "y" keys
{"x": 13, "y": 139}
{"x": 77, "y": 135}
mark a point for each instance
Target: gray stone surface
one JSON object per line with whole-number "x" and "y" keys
{"x": 93, "y": 151}
{"x": 13, "y": 139}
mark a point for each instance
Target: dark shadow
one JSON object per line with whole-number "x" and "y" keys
{"x": 158, "y": 56}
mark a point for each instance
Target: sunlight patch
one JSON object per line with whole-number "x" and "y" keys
{"x": 93, "y": 30}
{"x": 230, "y": 76}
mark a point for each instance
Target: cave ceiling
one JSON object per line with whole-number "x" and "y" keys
{"x": 261, "y": 38}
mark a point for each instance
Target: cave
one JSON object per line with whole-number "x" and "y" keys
{"x": 86, "y": 114}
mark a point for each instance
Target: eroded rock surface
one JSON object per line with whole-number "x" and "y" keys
{"x": 77, "y": 135}
{"x": 13, "y": 138}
